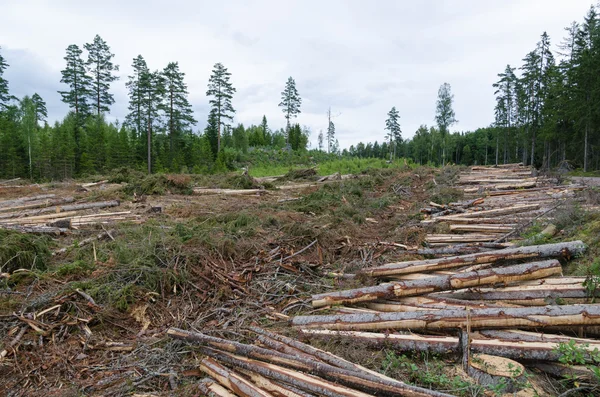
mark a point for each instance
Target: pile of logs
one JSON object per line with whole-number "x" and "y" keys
{"x": 50, "y": 214}
{"x": 483, "y": 303}
{"x": 281, "y": 366}
{"x": 502, "y": 200}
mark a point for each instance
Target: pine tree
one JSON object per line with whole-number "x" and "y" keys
{"x": 320, "y": 140}
{"x": 135, "y": 118}
{"x": 506, "y": 98}
{"x": 74, "y": 75}
{"x": 177, "y": 108}
{"x": 4, "y": 95}
{"x": 445, "y": 116}
{"x": 393, "y": 126}
{"x": 101, "y": 68}
{"x": 41, "y": 112}
{"x": 290, "y": 103}
{"x": 221, "y": 91}
{"x": 152, "y": 91}
{"x": 28, "y": 128}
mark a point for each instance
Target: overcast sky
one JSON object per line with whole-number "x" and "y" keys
{"x": 359, "y": 57}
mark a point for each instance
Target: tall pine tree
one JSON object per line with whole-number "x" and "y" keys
{"x": 177, "y": 108}
{"x": 136, "y": 116}
{"x": 221, "y": 91}
{"x": 74, "y": 75}
{"x": 41, "y": 112}
{"x": 101, "y": 68}
{"x": 392, "y": 124}
{"x": 444, "y": 115}
{"x": 290, "y": 103}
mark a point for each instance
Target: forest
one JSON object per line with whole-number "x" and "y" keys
{"x": 546, "y": 115}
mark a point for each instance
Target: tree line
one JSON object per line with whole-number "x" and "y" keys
{"x": 546, "y": 114}
{"x": 156, "y": 135}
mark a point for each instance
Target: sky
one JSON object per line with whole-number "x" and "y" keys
{"x": 358, "y": 57}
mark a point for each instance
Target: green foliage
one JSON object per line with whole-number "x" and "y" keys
{"x": 160, "y": 184}
{"x": 76, "y": 268}
{"x": 101, "y": 69}
{"x": 572, "y": 353}
{"x": 23, "y": 251}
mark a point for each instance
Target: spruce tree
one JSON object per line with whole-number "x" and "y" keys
{"x": 75, "y": 76}
{"x": 41, "y": 112}
{"x": 265, "y": 129}
{"x": 135, "y": 117}
{"x": 444, "y": 116}
{"x": 506, "y": 108}
{"x": 4, "y": 95}
{"x": 221, "y": 91}
{"x": 211, "y": 132}
{"x": 393, "y": 126}
{"x": 177, "y": 108}
{"x": 101, "y": 68}
{"x": 290, "y": 103}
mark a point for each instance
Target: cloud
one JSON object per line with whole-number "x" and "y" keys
{"x": 360, "y": 58}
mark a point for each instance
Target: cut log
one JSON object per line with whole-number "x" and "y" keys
{"x": 37, "y": 204}
{"x": 277, "y": 388}
{"x": 21, "y": 200}
{"x": 497, "y": 212}
{"x": 84, "y": 242}
{"x": 93, "y": 184}
{"x": 490, "y": 371}
{"x": 318, "y": 354}
{"x": 453, "y": 238}
{"x": 9, "y": 181}
{"x": 228, "y": 192}
{"x": 567, "y": 249}
{"x": 362, "y": 380}
{"x": 526, "y": 336}
{"x": 562, "y": 371}
{"x": 300, "y": 380}
{"x": 36, "y": 229}
{"x": 38, "y": 218}
{"x": 482, "y": 228}
{"x": 230, "y": 379}
{"x": 459, "y": 249}
{"x": 527, "y": 317}
{"x": 516, "y": 350}
{"x": 509, "y": 274}
{"x": 270, "y": 343}
{"x": 211, "y": 388}
{"x": 528, "y": 295}
{"x": 62, "y": 208}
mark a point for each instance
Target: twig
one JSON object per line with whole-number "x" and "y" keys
{"x": 299, "y": 252}
{"x": 502, "y": 238}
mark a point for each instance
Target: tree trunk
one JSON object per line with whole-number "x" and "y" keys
{"x": 149, "y": 136}
{"x": 567, "y": 249}
{"x": 526, "y": 317}
{"x": 585, "y": 148}
{"x": 362, "y": 380}
{"x": 61, "y": 208}
{"x": 279, "y": 389}
{"x": 527, "y": 271}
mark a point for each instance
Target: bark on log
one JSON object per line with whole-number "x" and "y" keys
{"x": 19, "y": 205}
{"x": 362, "y": 380}
{"x": 211, "y": 388}
{"x": 459, "y": 249}
{"x": 228, "y": 192}
{"x": 36, "y": 229}
{"x": 517, "y": 209}
{"x": 562, "y": 371}
{"x": 84, "y": 242}
{"x": 567, "y": 249}
{"x": 482, "y": 228}
{"x": 526, "y": 336}
{"x": 20, "y": 200}
{"x": 489, "y": 371}
{"x": 513, "y": 349}
{"x": 92, "y": 184}
{"x": 231, "y": 380}
{"x": 527, "y": 317}
{"x": 528, "y": 295}
{"x": 270, "y": 343}
{"x": 277, "y": 388}
{"x": 62, "y": 208}
{"x": 318, "y": 354}
{"x": 527, "y": 271}
{"x": 446, "y": 239}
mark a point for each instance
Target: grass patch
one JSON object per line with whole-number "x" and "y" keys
{"x": 23, "y": 251}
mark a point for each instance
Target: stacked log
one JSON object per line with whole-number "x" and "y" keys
{"x": 250, "y": 370}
